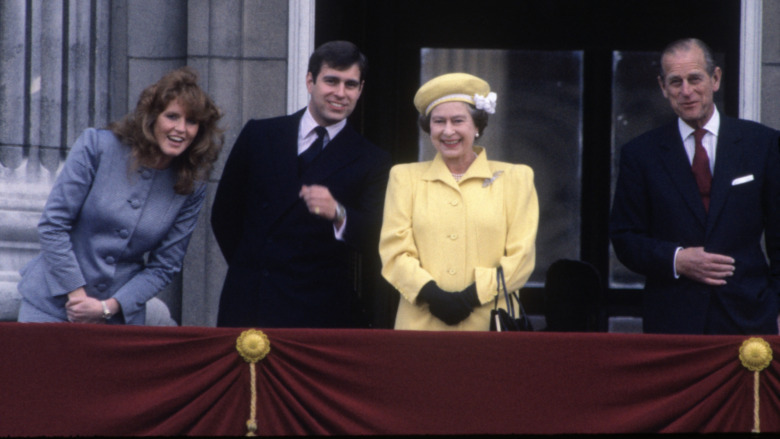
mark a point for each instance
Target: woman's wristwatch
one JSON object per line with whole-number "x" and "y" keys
{"x": 106, "y": 312}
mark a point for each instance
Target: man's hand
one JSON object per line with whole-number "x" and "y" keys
{"x": 707, "y": 268}
{"x": 319, "y": 201}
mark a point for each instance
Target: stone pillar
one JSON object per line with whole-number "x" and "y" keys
{"x": 53, "y": 84}
{"x": 156, "y": 42}
{"x": 770, "y": 71}
{"x": 240, "y": 49}
{"x": 17, "y": 239}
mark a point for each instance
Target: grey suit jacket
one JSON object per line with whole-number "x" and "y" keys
{"x": 117, "y": 233}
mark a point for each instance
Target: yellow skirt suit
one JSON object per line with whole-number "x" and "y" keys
{"x": 457, "y": 233}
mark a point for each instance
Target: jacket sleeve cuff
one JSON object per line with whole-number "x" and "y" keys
{"x": 674, "y": 263}
{"x": 485, "y": 278}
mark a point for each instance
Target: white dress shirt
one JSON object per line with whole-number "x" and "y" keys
{"x": 307, "y": 135}
{"x": 709, "y": 142}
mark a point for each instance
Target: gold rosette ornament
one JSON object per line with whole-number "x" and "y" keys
{"x": 755, "y": 354}
{"x": 253, "y": 346}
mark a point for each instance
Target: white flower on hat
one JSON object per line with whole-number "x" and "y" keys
{"x": 487, "y": 103}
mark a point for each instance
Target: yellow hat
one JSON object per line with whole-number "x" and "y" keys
{"x": 459, "y": 87}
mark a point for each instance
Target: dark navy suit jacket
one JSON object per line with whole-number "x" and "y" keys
{"x": 657, "y": 208}
{"x": 285, "y": 266}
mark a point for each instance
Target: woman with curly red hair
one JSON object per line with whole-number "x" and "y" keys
{"x": 118, "y": 220}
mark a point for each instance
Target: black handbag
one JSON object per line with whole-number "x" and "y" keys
{"x": 505, "y": 319}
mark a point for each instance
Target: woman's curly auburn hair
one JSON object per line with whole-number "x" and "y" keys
{"x": 137, "y": 128}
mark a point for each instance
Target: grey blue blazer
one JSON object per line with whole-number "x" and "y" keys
{"x": 117, "y": 232}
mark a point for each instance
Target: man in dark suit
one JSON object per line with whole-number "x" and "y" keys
{"x": 298, "y": 196}
{"x": 692, "y": 201}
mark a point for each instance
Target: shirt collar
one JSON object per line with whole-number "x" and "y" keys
{"x": 308, "y": 124}
{"x": 478, "y": 169}
{"x": 712, "y": 126}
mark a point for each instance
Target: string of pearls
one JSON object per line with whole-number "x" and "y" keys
{"x": 457, "y": 177}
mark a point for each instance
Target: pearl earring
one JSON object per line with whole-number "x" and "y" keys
{"x": 477, "y": 136}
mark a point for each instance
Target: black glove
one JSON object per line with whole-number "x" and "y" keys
{"x": 451, "y": 308}
{"x": 470, "y": 294}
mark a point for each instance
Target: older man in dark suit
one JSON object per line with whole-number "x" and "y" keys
{"x": 692, "y": 201}
{"x": 298, "y": 196}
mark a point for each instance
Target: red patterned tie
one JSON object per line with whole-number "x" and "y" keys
{"x": 701, "y": 168}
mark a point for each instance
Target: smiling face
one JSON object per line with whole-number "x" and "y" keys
{"x": 453, "y": 133}
{"x": 174, "y": 132}
{"x": 688, "y": 86}
{"x": 334, "y": 93}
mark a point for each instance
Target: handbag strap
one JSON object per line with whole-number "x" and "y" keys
{"x": 501, "y": 283}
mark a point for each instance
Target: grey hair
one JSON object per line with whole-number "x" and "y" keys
{"x": 686, "y": 44}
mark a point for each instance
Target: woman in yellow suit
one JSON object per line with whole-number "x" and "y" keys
{"x": 451, "y": 222}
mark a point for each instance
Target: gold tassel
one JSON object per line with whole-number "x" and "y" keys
{"x": 253, "y": 345}
{"x": 755, "y": 355}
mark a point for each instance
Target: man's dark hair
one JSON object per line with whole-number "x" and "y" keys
{"x": 339, "y": 55}
{"x": 686, "y": 44}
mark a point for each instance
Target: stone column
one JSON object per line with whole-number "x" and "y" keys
{"x": 240, "y": 49}
{"x": 53, "y": 84}
{"x": 770, "y": 71}
{"x": 17, "y": 239}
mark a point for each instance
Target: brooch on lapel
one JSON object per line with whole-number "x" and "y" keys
{"x": 489, "y": 181}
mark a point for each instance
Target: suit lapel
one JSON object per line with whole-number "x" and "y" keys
{"x": 727, "y": 166}
{"x": 679, "y": 168}
{"x": 288, "y": 141}
{"x": 283, "y": 163}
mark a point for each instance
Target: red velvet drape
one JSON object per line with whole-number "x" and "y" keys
{"x": 67, "y": 379}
